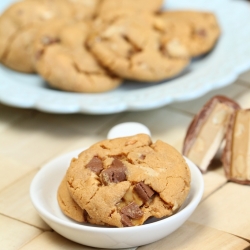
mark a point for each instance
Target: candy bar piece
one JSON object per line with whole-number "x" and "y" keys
{"x": 126, "y": 221}
{"x": 132, "y": 210}
{"x": 115, "y": 173}
{"x": 207, "y": 130}
{"x": 95, "y": 165}
{"x": 143, "y": 191}
{"x": 236, "y": 154}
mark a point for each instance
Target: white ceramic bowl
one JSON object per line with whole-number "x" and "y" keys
{"x": 43, "y": 192}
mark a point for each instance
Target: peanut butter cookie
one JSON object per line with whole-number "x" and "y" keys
{"x": 84, "y": 9}
{"x": 19, "y": 25}
{"x": 107, "y": 6}
{"x": 130, "y": 47}
{"x": 194, "y": 32}
{"x": 68, "y": 206}
{"x": 124, "y": 181}
{"x": 63, "y": 61}
{"x": 21, "y": 21}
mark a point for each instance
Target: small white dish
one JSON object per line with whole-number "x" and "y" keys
{"x": 43, "y": 193}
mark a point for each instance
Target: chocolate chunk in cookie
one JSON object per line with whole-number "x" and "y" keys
{"x": 95, "y": 165}
{"x": 132, "y": 210}
{"x": 126, "y": 222}
{"x": 115, "y": 173}
{"x": 143, "y": 191}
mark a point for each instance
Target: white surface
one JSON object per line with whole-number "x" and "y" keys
{"x": 127, "y": 129}
{"x": 221, "y": 67}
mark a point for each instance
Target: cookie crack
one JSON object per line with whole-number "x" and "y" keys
{"x": 135, "y": 49}
{"x": 186, "y": 183}
{"x": 121, "y": 156}
{"x": 77, "y": 69}
{"x": 12, "y": 38}
{"x": 104, "y": 147}
{"x": 63, "y": 202}
{"x": 92, "y": 73}
{"x": 45, "y": 46}
{"x": 7, "y": 48}
{"x": 113, "y": 20}
{"x": 168, "y": 205}
{"x": 90, "y": 199}
{"x": 113, "y": 211}
{"x": 175, "y": 177}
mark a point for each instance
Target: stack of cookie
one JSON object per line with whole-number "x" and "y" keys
{"x": 124, "y": 181}
{"x": 91, "y": 46}
{"x": 221, "y": 124}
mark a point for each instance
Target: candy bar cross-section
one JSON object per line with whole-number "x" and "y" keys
{"x": 236, "y": 155}
{"x": 207, "y": 131}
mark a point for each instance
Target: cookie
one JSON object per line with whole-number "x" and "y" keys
{"x": 63, "y": 61}
{"x": 68, "y": 206}
{"x": 235, "y": 156}
{"x": 195, "y": 30}
{"x": 130, "y": 47}
{"x": 84, "y": 9}
{"x": 18, "y": 26}
{"x": 175, "y": 37}
{"x": 124, "y": 181}
{"x": 107, "y": 6}
{"x": 207, "y": 130}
